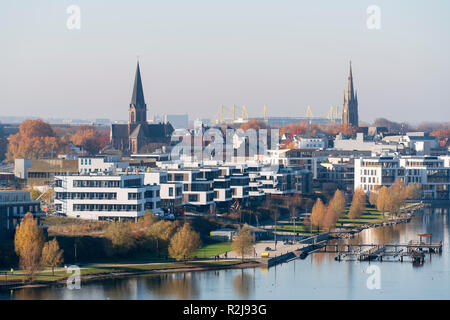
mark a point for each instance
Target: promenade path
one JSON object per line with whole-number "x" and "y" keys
{"x": 261, "y": 246}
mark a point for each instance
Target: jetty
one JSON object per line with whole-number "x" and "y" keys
{"x": 413, "y": 251}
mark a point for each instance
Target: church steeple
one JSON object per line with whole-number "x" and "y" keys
{"x": 138, "y": 108}
{"x": 137, "y": 98}
{"x": 350, "y": 105}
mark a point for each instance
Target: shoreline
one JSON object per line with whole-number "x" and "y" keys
{"x": 190, "y": 267}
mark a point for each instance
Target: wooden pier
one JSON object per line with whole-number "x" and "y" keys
{"x": 414, "y": 251}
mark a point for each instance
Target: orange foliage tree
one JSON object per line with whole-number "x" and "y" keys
{"x": 90, "y": 139}
{"x": 253, "y": 124}
{"x": 443, "y": 136}
{"x": 35, "y": 139}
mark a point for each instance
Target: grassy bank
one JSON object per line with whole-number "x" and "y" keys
{"x": 214, "y": 249}
{"x": 369, "y": 216}
{"x": 96, "y": 271}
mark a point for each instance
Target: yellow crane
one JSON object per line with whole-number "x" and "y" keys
{"x": 244, "y": 113}
{"x": 265, "y": 114}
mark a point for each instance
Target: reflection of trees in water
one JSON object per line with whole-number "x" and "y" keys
{"x": 34, "y": 294}
{"x": 177, "y": 285}
{"x": 120, "y": 289}
{"x": 388, "y": 234}
{"x": 243, "y": 284}
{"x": 320, "y": 258}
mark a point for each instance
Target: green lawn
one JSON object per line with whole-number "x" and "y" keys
{"x": 211, "y": 250}
{"x": 370, "y": 215}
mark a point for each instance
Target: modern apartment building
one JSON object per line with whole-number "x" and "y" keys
{"x": 102, "y": 163}
{"x": 198, "y": 191}
{"x": 433, "y": 173}
{"x": 105, "y": 196}
{"x": 14, "y": 205}
{"x": 171, "y": 193}
{"x": 43, "y": 171}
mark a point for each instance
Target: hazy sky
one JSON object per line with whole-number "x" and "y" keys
{"x": 196, "y": 55}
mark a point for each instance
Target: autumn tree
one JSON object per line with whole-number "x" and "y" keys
{"x": 28, "y": 243}
{"x": 34, "y": 194}
{"x": 34, "y": 140}
{"x": 373, "y": 197}
{"x": 337, "y": 204}
{"x": 120, "y": 237}
{"x": 398, "y": 195}
{"x": 161, "y": 233}
{"x": 184, "y": 243}
{"x": 330, "y": 218}
{"x": 253, "y": 124}
{"x": 297, "y": 128}
{"x": 347, "y": 129}
{"x": 443, "y": 136}
{"x": 147, "y": 219}
{"x": 90, "y": 139}
{"x": 413, "y": 190}
{"x": 243, "y": 242}
{"x": 52, "y": 255}
{"x": 3, "y": 144}
{"x": 358, "y": 204}
{"x": 318, "y": 214}
{"x": 383, "y": 199}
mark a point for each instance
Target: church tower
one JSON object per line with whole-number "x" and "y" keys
{"x": 138, "y": 108}
{"x": 350, "y": 105}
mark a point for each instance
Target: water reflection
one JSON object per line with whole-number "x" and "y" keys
{"x": 173, "y": 286}
{"x": 319, "y": 278}
{"x": 243, "y": 285}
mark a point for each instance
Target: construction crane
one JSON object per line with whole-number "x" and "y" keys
{"x": 265, "y": 114}
{"x": 331, "y": 114}
{"x": 244, "y": 113}
{"x": 309, "y": 113}
{"x": 337, "y": 114}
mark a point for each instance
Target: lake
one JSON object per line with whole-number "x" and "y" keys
{"x": 318, "y": 276}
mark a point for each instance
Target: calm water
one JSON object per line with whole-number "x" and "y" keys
{"x": 319, "y": 276}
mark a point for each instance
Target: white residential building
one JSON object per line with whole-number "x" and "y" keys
{"x": 198, "y": 191}
{"x": 318, "y": 141}
{"x": 105, "y": 164}
{"x": 105, "y": 196}
{"x": 361, "y": 144}
{"x": 433, "y": 173}
{"x": 171, "y": 193}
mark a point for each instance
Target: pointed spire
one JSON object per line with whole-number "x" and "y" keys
{"x": 137, "y": 98}
{"x": 350, "y": 94}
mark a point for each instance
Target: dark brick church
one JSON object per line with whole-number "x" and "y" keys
{"x": 138, "y": 134}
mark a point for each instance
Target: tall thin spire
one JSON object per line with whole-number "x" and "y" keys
{"x": 350, "y": 92}
{"x": 137, "y": 99}
{"x": 350, "y": 105}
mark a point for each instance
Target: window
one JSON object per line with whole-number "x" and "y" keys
{"x": 148, "y": 194}
{"x": 134, "y": 195}
{"x": 170, "y": 191}
{"x": 193, "y": 198}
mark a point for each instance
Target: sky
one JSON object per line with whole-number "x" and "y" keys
{"x": 197, "y": 55}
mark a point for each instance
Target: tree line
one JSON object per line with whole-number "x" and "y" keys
{"x": 385, "y": 199}
{"x": 164, "y": 238}
{"x": 37, "y": 139}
